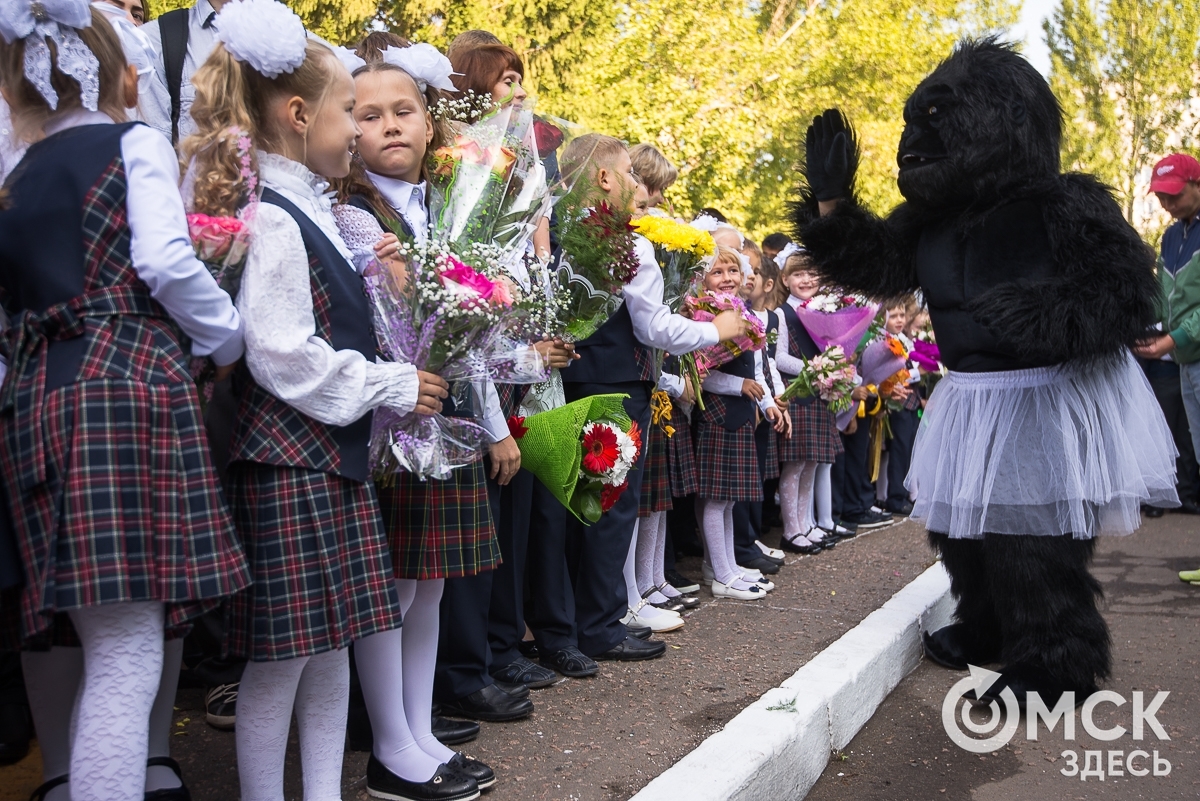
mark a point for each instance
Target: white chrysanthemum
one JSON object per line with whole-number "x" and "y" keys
{"x": 264, "y": 34}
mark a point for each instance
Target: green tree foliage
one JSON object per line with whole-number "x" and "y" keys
{"x": 1126, "y": 74}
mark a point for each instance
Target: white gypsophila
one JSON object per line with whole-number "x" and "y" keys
{"x": 264, "y": 34}
{"x": 425, "y": 63}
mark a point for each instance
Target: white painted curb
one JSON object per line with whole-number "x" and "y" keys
{"x": 777, "y": 747}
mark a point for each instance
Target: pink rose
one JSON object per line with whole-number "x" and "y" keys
{"x": 501, "y": 296}
{"x": 463, "y": 277}
{"x": 214, "y": 237}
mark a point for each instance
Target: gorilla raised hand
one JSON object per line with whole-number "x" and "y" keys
{"x": 1022, "y": 267}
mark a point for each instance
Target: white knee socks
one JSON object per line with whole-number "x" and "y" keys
{"x": 52, "y": 680}
{"x": 122, "y": 669}
{"x": 419, "y": 603}
{"x": 318, "y": 688}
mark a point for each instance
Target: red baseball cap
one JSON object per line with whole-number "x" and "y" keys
{"x": 1172, "y": 173}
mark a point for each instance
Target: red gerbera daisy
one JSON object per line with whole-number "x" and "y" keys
{"x": 609, "y": 495}
{"x": 635, "y": 434}
{"x": 599, "y": 450}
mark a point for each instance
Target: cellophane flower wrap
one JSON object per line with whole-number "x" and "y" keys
{"x": 582, "y": 452}
{"x": 699, "y": 363}
{"x": 833, "y": 319}
{"x": 596, "y": 261}
{"x": 827, "y": 376}
{"x": 456, "y": 312}
{"x": 680, "y": 251}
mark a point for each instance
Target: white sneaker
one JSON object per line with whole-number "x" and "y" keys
{"x": 720, "y": 590}
{"x": 774, "y": 553}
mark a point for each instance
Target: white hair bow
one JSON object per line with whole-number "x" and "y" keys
{"x": 789, "y": 249}
{"x": 264, "y": 34}
{"x": 59, "y": 21}
{"x": 349, "y": 58}
{"x": 425, "y": 63}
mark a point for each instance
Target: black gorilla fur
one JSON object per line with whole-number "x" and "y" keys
{"x": 1021, "y": 266}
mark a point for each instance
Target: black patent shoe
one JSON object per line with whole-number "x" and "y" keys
{"x": 446, "y": 785}
{"x": 491, "y": 704}
{"x": 40, "y": 793}
{"x": 795, "y": 547}
{"x": 471, "y": 767}
{"x": 180, "y": 793}
{"x": 449, "y": 731}
{"x": 634, "y": 650}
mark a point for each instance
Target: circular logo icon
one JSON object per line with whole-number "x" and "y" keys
{"x": 979, "y": 681}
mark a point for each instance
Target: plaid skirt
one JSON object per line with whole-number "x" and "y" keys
{"x": 319, "y": 558}
{"x": 771, "y": 458}
{"x": 656, "y": 474}
{"x": 727, "y": 463}
{"x": 129, "y": 510}
{"x": 440, "y": 529}
{"x": 681, "y": 456}
{"x": 814, "y": 435}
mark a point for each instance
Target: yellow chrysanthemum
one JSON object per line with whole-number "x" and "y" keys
{"x": 677, "y": 236}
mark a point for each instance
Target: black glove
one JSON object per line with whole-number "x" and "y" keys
{"x": 832, "y": 156}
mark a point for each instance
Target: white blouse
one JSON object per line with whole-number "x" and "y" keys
{"x": 653, "y": 323}
{"x": 283, "y": 352}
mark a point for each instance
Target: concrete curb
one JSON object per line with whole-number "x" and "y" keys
{"x": 778, "y": 746}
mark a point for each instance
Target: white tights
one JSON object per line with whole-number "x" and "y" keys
{"x": 651, "y": 556}
{"x": 52, "y": 681}
{"x": 716, "y": 524}
{"x": 634, "y": 595}
{"x": 396, "y": 670}
{"x": 796, "y": 483}
{"x": 318, "y": 687}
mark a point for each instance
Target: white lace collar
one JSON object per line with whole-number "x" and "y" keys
{"x": 309, "y": 191}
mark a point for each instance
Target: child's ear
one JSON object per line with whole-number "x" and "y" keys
{"x": 604, "y": 179}
{"x": 296, "y": 115}
{"x": 428, "y": 128}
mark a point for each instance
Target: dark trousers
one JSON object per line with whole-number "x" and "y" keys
{"x": 853, "y": 492}
{"x": 506, "y": 617}
{"x": 464, "y": 657}
{"x": 1033, "y": 597}
{"x": 550, "y": 603}
{"x": 202, "y": 653}
{"x": 1164, "y": 380}
{"x": 597, "y": 553}
{"x": 904, "y": 425}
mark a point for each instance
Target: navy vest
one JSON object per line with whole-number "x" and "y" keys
{"x": 731, "y": 412}
{"x": 270, "y": 431}
{"x": 799, "y": 344}
{"x": 612, "y": 355}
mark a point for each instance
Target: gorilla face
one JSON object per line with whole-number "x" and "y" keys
{"x": 980, "y": 123}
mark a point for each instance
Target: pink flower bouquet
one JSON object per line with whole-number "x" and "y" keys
{"x": 699, "y": 363}
{"x": 836, "y": 320}
{"x": 827, "y": 376}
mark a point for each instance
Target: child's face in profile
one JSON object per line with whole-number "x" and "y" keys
{"x": 897, "y": 320}
{"x": 619, "y": 184}
{"x": 803, "y": 284}
{"x": 723, "y": 276}
{"x": 758, "y": 289}
{"x": 918, "y": 321}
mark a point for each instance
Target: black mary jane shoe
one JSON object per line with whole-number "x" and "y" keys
{"x": 472, "y": 768}
{"x": 684, "y": 600}
{"x": 40, "y": 793}
{"x": 446, "y": 785}
{"x": 671, "y": 605}
{"x": 180, "y": 793}
{"x": 787, "y": 545}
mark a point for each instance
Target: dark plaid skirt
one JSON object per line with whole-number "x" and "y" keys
{"x": 440, "y": 529}
{"x": 771, "y": 459}
{"x": 681, "y": 456}
{"x": 129, "y": 511}
{"x": 814, "y": 435}
{"x": 319, "y": 557}
{"x": 727, "y": 463}
{"x": 656, "y": 474}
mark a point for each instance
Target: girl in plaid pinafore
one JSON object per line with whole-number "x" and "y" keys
{"x": 435, "y": 529}
{"x": 119, "y": 522}
{"x": 726, "y": 457}
{"x": 298, "y": 478}
{"x": 807, "y": 458}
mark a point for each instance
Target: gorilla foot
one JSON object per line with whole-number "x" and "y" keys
{"x": 1024, "y": 678}
{"x": 953, "y": 647}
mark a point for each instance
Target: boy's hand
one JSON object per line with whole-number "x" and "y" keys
{"x": 506, "y": 460}
{"x": 430, "y": 391}
{"x": 752, "y": 390}
{"x": 730, "y": 324}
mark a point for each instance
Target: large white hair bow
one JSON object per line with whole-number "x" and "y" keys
{"x": 57, "y": 20}
{"x": 349, "y": 58}
{"x": 264, "y": 34}
{"x": 425, "y": 63}
{"x": 791, "y": 248}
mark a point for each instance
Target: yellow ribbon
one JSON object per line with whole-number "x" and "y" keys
{"x": 661, "y": 410}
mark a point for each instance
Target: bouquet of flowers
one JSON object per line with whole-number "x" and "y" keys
{"x": 827, "y": 376}
{"x": 696, "y": 365}
{"x": 680, "y": 250}
{"x": 840, "y": 320}
{"x": 582, "y": 452}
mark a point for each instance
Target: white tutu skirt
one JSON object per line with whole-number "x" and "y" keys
{"x": 1048, "y": 451}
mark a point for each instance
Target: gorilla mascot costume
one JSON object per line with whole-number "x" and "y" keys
{"x": 1045, "y": 432}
